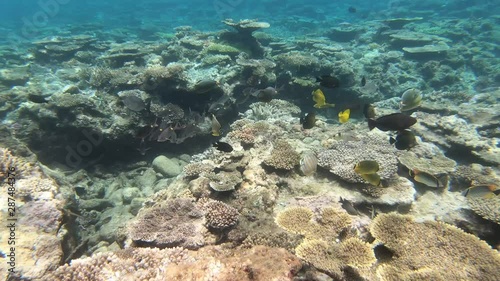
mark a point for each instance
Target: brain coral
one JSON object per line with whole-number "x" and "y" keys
{"x": 432, "y": 251}
{"x": 176, "y": 222}
{"x": 343, "y": 155}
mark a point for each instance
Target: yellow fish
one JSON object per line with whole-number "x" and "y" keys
{"x": 373, "y": 179}
{"x": 215, "y": 126}
{"x": 344, "y": 116}
{"x": 366, "y": 167}
{"x": 319, "y": 99}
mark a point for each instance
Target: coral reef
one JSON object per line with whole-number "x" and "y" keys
{"x": 210, "y": 263}
{"x": 431, "y": 249}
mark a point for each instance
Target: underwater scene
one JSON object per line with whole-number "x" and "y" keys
{"x": 266, "y": 140}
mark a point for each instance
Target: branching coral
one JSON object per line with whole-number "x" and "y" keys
{"x": 283, "y": 156}
{"x": 432, "y": 249}
{"x": 197, "y": 169}
{"x": 219, "y": 215}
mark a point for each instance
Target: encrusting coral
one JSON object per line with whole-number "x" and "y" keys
{"x": 432, "y": 251}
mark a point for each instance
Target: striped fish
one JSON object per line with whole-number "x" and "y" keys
{"x": 308, "y": 163}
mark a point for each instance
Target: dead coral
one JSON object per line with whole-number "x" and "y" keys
{"x": 434, "y": 247}
{"x": 283, "y": 156}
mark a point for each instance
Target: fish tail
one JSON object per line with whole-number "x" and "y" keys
{"x": 215, "y": 134}
{"x": 391, "y": 140}
{"x": 372, "y": 124}
{"x": 318, "y": 106}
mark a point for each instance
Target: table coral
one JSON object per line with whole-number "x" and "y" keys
{"x": 432, "y": 249}
{"x": 343, "y": 155}
{"x": 177, "y": 222}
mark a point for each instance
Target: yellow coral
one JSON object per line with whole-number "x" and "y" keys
{"x": 318, "y": 253}
{"x": 437, "y": 246}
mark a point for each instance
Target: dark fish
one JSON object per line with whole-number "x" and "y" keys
{"x": 404, "y": 140}
{"x": 204, "y": 86}
{"x": 363, "y": 81}
{"x": 222, "y": 146}
{"x": 352, "y": 10}
{"x": 144, "y": 131}
{"x": 328, "y": 81}
{"x": 36, "y": 98}
{"x": 143, "y": 148}
{"x": 392, "y": 122}
{"x": 167, "y": 135}
{"x": 349, "y": 207}
{"x": 369, "y": 111}
{"x": 266, "y": 95}
{"x": 308, "y": 121}
{"x": 134, "y": 103}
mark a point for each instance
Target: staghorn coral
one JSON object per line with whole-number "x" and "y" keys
{"x": 283, "y": 156}
{"x": 433, "y": 249}
{"x": 219, "y": 215}
{"x": 176, "y": 222}
{"x": 343, "y": 155}
{"x": 488, "y": 208}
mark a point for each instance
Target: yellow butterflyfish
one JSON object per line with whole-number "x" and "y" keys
{"x": 319, "y": 99}
{"x": 344, "y": 115}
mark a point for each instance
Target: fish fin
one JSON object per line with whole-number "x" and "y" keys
{"x": 317, "y": 106}
{"x": 489, "y": 195}
{"x": 372, "y": 124}
{"x": 392, "y": 140}
{"x": 465, "y": 192}
{"x": 443, "y": 180}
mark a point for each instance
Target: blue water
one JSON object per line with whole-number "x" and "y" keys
{"x": 33, "y": 19}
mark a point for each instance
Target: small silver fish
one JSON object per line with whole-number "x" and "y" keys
{"x": 308, "y": 163}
